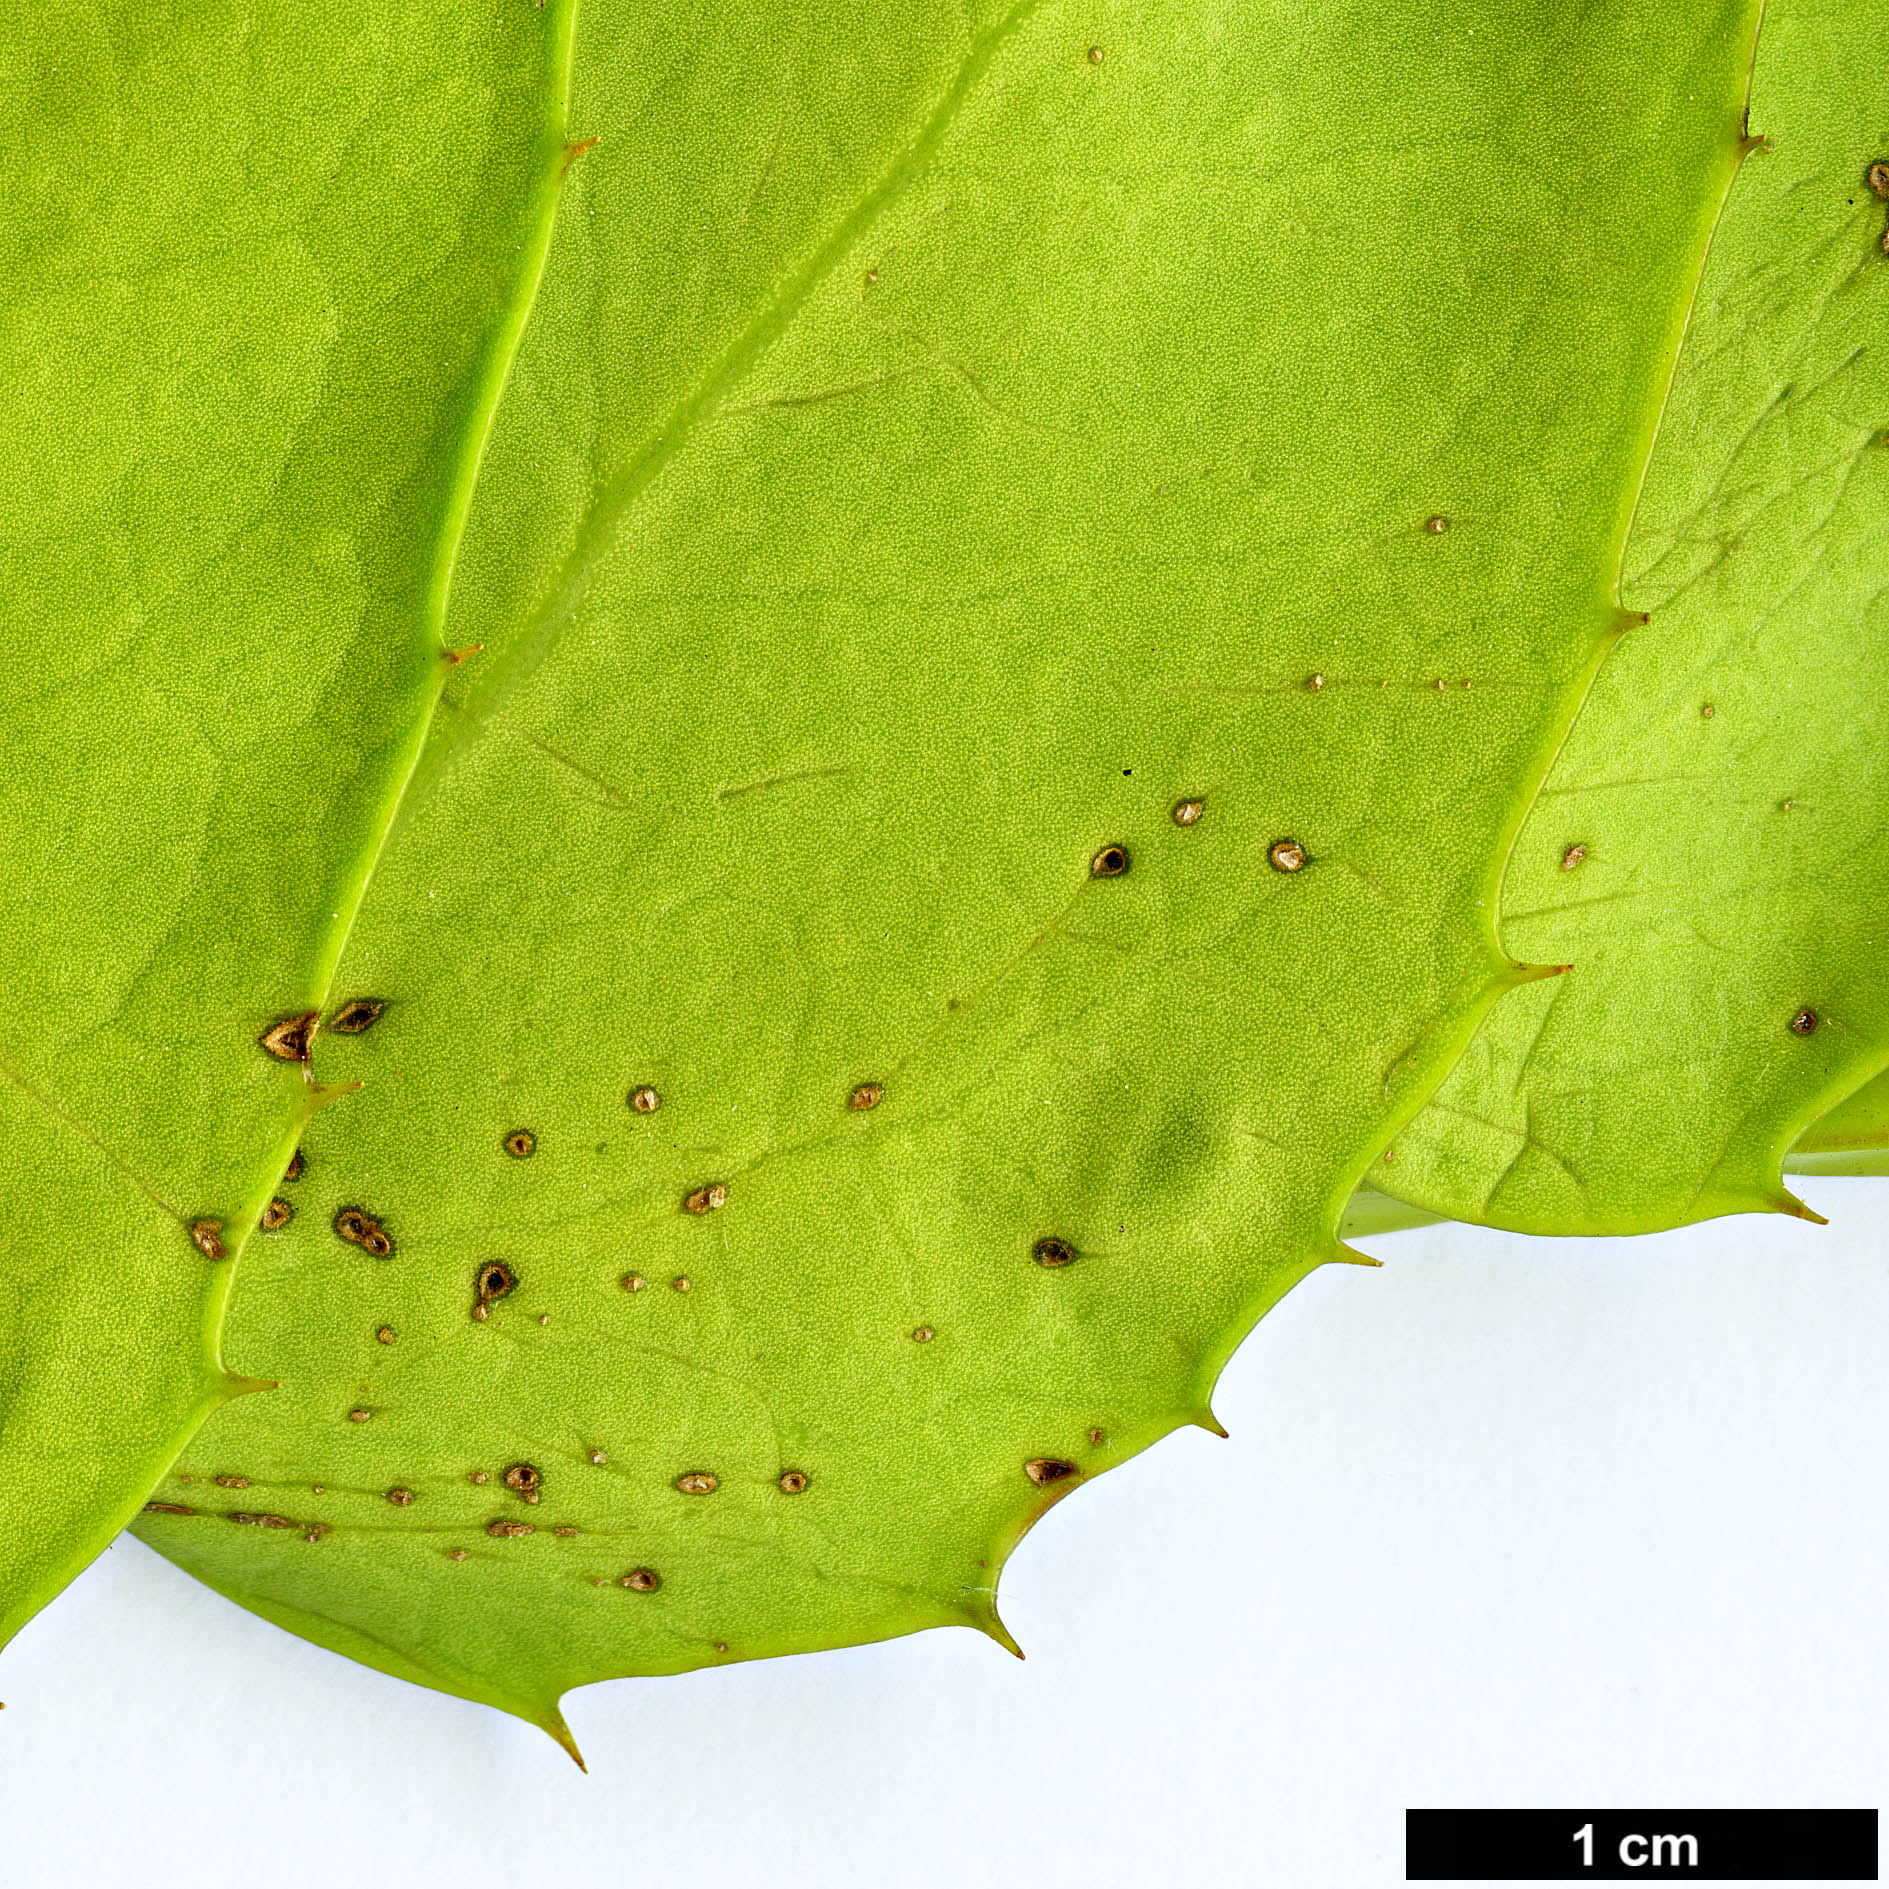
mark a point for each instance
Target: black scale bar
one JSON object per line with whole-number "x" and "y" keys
{"x": 1784, "y": 1846}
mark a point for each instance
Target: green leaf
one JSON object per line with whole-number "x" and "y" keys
{"x": 1711, "y": 852}
{"x": 936, "y": 456}
{"x": 261, "y": 276}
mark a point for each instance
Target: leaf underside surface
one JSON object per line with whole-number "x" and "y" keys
{"x": 1711, "y": 850}
{"x": 938, "y": 452}
{"x": 256, "y": 287}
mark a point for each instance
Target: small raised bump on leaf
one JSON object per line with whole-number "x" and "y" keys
{"x": 377, "y": 1242}
{"x": 479, "y": 1478}
{"x": 277, "y": 1215}
{"x": 867, "y": 1095}
{"x": 1573, "y": 856}
{"x": 385, "y": 1335}
{"x": 706, "y": 1199}
{"x": 721, "y": 1646}
{"x": 1315, "y": 683}
{"x": 1110, "y": 863}
{"x": 524, "y": 1479}
{"x": 793, "y": 1481}
{"x": 207, "y": 1237}
{"x": 315, "y": 1531}
{"x": 698, "y": 1482}
{"x": 400, "y": 1498}
{"x": 1706, "y": 711}
{"x": 633, "y": 1282}
{"x": 1436, "y": 524}
{"x": 565, "y": 1531}
{"x": 521, "y": 1144}
{"x": 231, "y": 1482}
{"x": 1878, "y": 175}
{"x": 457, "y": 1554}
{"x": 362, "y": 1013}
{"x": 923, "y": 1335}
{"x": 645, "y": 1100}
{"x": 641, "y": 1581}
{"x": 288, "y": 1039}
{"x": 682, "y": 1283}
{"x": 1047, "y": 1470}
{"x": 293, "y": 1172}
{"x": 1096, "y": 55}
{"x": 1186, "y": 812}
{"x": 351, "y": 1223}
{"x": 493, "y": 1281}
{"x": 1286, "y": 855}
{"x": 246, "y": 1520}
{"x": 1098, "y": 1437}
{"x": 510, "y": 1531}
{"x": 544, "y": 1318}
{"x": 359, "y": 1414}
{"x": 169, "y": 1508}
{"x": 598, "y": 1457}
{"x": 1052, "y": 1251}
{"x": 1804, "y": 1023}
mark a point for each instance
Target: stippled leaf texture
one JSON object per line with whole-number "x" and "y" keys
{"x": 1711, "y": 852}
{"x": 259, "y": 265}
{"x": 1028, "y": 568}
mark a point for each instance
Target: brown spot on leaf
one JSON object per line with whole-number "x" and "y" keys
{"x": 598, "y": 1457}
{"x": 1098, "y": 1437}
{"x": 493, "y": 1281}
{"x": 352, "y": 1224}
{"x": 1878, "y": 175}
{"x": 1096, "y": 55}
{"x": 645, "y": 1100}
{"x": 376, "y": 1241}
{"x": 1805, "y": 1022}
{"x": 510, "y": 1531}
{"x": 289, "y": 1038}
{"x": 1052, "y": 1252}
{"x": 1286, "y": 855}
{"x": 293, "y": 1172}
{"x": 923, "y": 1335}
{"x": 632, "y": 1282}
{"x": 524, "y": 1479}
{"x": 359, "y": 1415}
{"x": 1436, "y": 525}
{"x": 641, "y": 1580}
{"x": 1573, "y": 856}
{"x": 697, "y": 1482}
{"x": 479, "y": 1477}
{"x": 264, "y": 1521}
{"x": 457, "y": 1554}
{"x": 867, "y": 1095}
{"x": 706, "y": 1199}
{"x": 169, "y": 1508}
{"x": 400, "y": 1498}
{"x": 565, "y": 1532}
{"x": 359, "y": 1015}
{"x": 231, "y": 1482}
{"x": 385, "y": 1335}
{"x": 521, "y": 1144}
{"x": 207, "y": 1237}
{"x": 682, "y": 1283}
{"x": 277, "y": 1215}
{"x": 1186, "y": 812}
{"x": 1110, "y": 863}
{"x": 1315, "y": 683}
{"x": 793, "y": 1481}
{"x": 1047, "y": 1470}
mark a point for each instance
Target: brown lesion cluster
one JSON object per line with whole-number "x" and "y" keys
{"x": 360, "y": 1228}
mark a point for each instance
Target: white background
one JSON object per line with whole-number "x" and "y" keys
{"x": 1506, "y": 1523}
